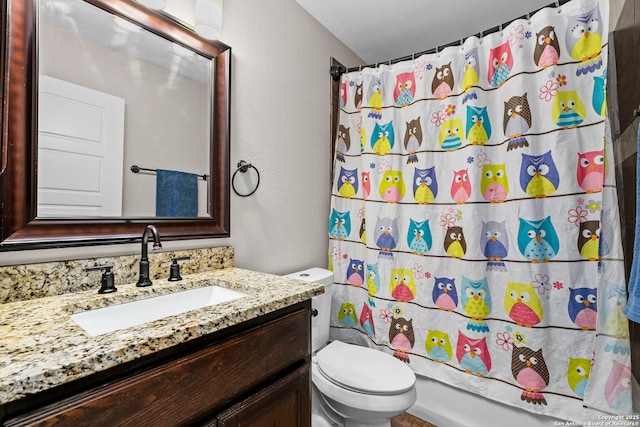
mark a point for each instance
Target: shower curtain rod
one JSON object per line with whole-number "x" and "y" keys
{"x": 337, "y": 71}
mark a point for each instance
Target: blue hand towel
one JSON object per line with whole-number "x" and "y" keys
{"x": 632, "y": 310}
{"x": 176, "y": 194}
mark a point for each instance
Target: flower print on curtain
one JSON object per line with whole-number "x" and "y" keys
{"x": 474, "y": 231}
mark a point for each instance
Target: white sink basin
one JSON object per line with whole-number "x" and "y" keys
{"x": 122, "y": 316}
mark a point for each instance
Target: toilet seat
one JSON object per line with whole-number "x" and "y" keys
{"x": 358, "y": 369}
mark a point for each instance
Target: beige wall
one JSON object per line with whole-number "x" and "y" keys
{"x": 280, "y": 123}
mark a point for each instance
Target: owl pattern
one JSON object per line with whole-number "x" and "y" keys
{"x": 343, "y": 142}
{"x": 419, "y": 237}
{"x": 438, "y": 346}
{"x": 539, "y": 176}
{"x": 444, "y": 294}
{"x": 530, "y": 370}
{"x": 425, "y": 185}
{"x": 516, "y": 121}
{"x": 584, "y": 40}
{"x": 401, "y": 337}
{"x": 476, "y": 303}
{"x": 494, "y": 241}
{"x": 405, "y": 89}
{"x": 473, "y": 355}
{"x": 434, "y": 280}
{"x": 461, "y": 186}
{"x": 522, "y": 305}
{"x": 413, "y": 139}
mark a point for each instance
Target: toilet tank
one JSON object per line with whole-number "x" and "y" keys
{"x": 321, "y": 303}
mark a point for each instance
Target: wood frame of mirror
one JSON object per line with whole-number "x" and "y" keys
{"x": 20, "y": 228}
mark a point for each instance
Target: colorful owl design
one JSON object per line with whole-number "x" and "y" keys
{"x": 583, "y": 307}
{"x": 599, "y": 95}
{"x": 386, "y": 237}
{"x": 494, "y": 242}
{"x": 589, "y": 240}
{"x": 611, "y": 315}
{"x": 405, "y": 89}
{"x": 584, "y": 40}
{"x": 366, "y": 321}
{"x": 425, "y": 185}
{"x": 547, "y": 50}
{"x": 339, "y": 225}
{"x": 617, "y": 389}
{"x": 402, "y": 285}
{"x": 343, "y": 142}
{"x": 343, "y": 94}
{"x": 363, "y": 231}
{"x": 451, "y": 134}
{"x": 382, "y": 138}
{"x": 443, "y": 81}
{"x": 374, "y": 97}
{"x": 366, "y": 185}
{"x": 578, "y": 375}
{"x": 348, "y": 182}
{"x": 357, "y": 97}
{"x": 445, "y": 294}
{"x": 539, "y": 176}
{"x": 538, "y": 240}
{"x": 473, "y": 355}
{"x": 530, "y": 370}
{"x": 347, "y": 315}
{"x": 590, "y": 172}
{"x": 401, "y": 337}
{"x": 413, "y": 139}
{"x": 392, "y": 186}
{"x": 438, "y": 346}
{"x": 568, "y": 110}
{"x": 373, "y": 282}
{"x": 500, "y": 64}
{"x": 454, "y": 242}
{"x": 494, "y": 183}
{"x": 521, "y": 303}
{"x": 461, "y": 186}
{"x": 469, "y": 74}
{"x": 478, "y": 125}
{"x": 516, "y": 121}
{"x": 476, "y": 303}
{"x": 419, "y": 237}
{"x": 355, "y": 272}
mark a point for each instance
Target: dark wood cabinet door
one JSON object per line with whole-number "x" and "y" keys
{"x": 285, "y": 403}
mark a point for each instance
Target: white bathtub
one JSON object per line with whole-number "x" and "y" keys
{"x": 441, "y": 404}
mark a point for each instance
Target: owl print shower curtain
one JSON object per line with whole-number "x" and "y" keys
{"x": 474, "y": 231}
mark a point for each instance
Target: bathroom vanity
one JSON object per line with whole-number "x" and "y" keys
{"x": 244, "y": 361}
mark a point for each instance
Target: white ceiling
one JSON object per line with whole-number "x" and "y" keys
{"x": 381, "y": 30}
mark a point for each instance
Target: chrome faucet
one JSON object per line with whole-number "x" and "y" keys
{"x": 144, "y": 260}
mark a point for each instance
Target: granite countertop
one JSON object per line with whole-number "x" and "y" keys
{"x": 42, "y": 347}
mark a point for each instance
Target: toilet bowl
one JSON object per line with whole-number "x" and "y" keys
{"x": 345, "y": 392}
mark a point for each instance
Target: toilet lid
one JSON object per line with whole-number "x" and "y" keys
{"x": 364, "y": 370}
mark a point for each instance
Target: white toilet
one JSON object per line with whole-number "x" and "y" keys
{"x": 353, "y": 385}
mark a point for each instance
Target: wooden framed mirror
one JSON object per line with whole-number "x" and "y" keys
{"x": 25, "y": 223}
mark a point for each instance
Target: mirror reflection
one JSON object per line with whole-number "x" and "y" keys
{"x": 113, "y": 95}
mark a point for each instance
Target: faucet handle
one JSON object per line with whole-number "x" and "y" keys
{"x": 174, "y": 270}
{"x": 107, "y": 282}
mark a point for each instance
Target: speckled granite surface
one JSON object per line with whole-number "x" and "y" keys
{"x": 25, "y": 282}
{"x": 42, "y": 347}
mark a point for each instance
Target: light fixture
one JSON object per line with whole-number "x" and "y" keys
{"x": 208, "y": 18}
{"x": 153, "y": 4}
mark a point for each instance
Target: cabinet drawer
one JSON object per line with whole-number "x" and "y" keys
{"x": 186, "y": 389}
